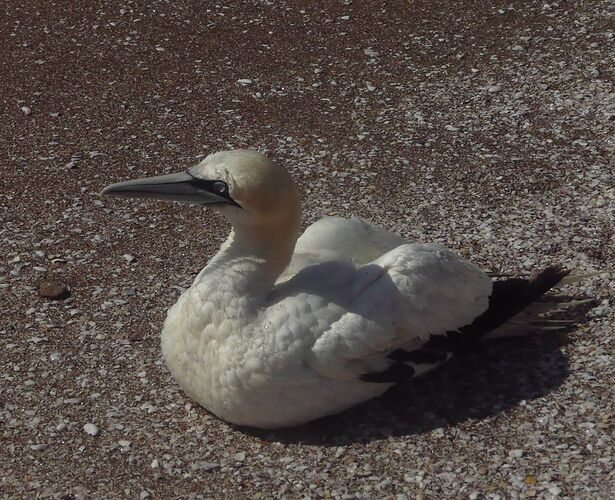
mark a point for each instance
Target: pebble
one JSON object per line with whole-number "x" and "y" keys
{"x": 26, "y": 110}
{"x": 244, "y": 81}
{"x": 39, "y": 447}
{"x": 494, "y": 88}
{"x": 53, "y": 290}
{"x": 240, "y": 456}
{"x": 135, "y": 336}
{"x": 554, "y": 490}
{"x": 91, "y": 429}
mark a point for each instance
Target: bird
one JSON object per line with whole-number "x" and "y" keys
{"x": 282, "y": 328}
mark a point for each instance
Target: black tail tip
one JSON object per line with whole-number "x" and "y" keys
{"x": 548, "y": 277}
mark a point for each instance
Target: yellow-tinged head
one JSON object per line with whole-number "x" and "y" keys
{"x": 246, "y": 186}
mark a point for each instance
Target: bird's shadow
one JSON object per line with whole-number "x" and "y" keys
{"x": 471, "y": 386}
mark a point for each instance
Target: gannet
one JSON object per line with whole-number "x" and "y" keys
{"x": 278, "y": 330}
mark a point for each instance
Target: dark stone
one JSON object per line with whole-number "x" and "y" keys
{"x": 135, "y": 336}
{"x": 53, "y": 290}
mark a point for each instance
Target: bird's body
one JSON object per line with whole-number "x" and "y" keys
{"x": 268, "y": 355}
{"x": 276, "y": 331}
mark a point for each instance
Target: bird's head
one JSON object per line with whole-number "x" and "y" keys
{"x": 245, "y": 186}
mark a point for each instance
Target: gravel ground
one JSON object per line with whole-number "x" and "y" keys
{"x": 484, "y": 125}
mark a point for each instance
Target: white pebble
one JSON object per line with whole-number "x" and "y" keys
{"x": 39, "y": 447}
{"x": 26, "y": 110}
{"x": 91, "y": 429}
{"x": 515, "y": 453}
{"x": 554, "y": 489}
{"x": 244, "y": 81}
{"x": 128, "y": 258}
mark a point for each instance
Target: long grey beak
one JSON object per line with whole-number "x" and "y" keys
{"x": 181, "y": 187}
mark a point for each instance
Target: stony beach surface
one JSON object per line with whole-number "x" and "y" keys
{"x": 485, "y": 126}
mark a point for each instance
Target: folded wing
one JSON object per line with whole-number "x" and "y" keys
{"x": 338, "y": 238}
{"x": 397, "y": 301}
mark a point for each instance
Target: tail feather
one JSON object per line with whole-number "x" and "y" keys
{"x": 552, "y": 322}
{"x": 571, "y": 278}
{"x": 574, "y": 278}
{"x": 510, "y": 298}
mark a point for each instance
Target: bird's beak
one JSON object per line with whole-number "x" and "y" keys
{"x": 181, "y": 187}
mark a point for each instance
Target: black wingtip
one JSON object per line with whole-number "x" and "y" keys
{"x": 543, "y": 281}
{"x": 395, "y": 373}
{"x": 510, "y": 297}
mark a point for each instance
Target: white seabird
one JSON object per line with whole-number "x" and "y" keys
{"x": 278, "y": 330}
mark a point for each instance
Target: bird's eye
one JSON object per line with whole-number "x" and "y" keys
{"x": 219, "y": 187}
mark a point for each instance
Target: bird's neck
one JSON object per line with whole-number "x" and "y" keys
{"x": 251, "y": 259}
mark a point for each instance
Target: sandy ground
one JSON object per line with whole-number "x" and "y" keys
{"x": 486, "y": 126}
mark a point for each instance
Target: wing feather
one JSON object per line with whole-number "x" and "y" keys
{"x": 338, "y": 238}
{"x": 400, "y": 299}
